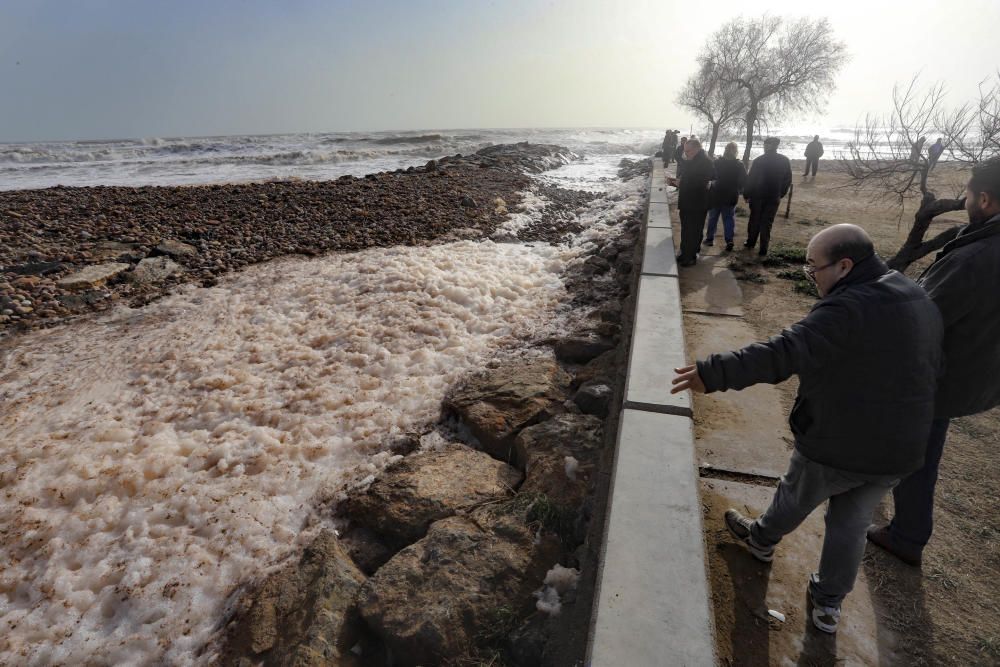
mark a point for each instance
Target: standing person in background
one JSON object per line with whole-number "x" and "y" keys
{"x": 814, "y": 151}
{"x": 961, "y": 282}
{"x": 730, "y": 178}
{"x": 679, "y": 156}
{"x": 692, "y": 199}
{"x": 867, "y": 356}
{"x": 769, "y": 179}
{"x": 934, "y": 153}
{"x": 669, "y": 146}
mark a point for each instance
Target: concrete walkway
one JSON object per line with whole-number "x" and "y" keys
{"x": 744, "y": 436}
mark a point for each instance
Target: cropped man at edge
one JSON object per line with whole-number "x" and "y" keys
{"x": 868, "y": 357}
{"x": 962, "y": 283}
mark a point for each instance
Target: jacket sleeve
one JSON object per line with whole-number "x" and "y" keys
{"x": 950, "y": 283}
{"x": 741, "y": 178}
{"x": 786, "y": 177}
{"x": 820, "y": 154}
{"x": 819, "y": 339}
{"x": 751, "y": 183}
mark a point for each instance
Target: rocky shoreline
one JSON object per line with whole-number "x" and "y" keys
{"x": 71, "y": 251}
{"x": 479, "y": 545}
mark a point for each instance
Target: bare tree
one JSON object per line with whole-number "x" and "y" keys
{"x": 782, "y": 66}
{"x": 887, "y": 158}
{"x": 720, "y": 103}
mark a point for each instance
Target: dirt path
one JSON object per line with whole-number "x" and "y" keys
{"x": 944, "y": 613}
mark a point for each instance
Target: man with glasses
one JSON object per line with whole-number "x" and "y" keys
{"x": 867, "y": 356}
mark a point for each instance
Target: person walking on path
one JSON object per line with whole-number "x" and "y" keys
{"x": 814, "y": 151}
{"x": 679, "y": 156}
{"x": 730, "y": 178}
{"x": 769, "y": 179}
{"x": 960, "y": 282}
{"x": 867, "y": 356}
{"x": 692, "y": 199}
{"x": 934, "y": 153}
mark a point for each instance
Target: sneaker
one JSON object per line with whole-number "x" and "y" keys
{"x": 826, "y": 619}
{"x": 882, "y": 537}
{"x": 747, "y": 244}
{"x": 708, "y": 242}
{"x": 739, "y": 527}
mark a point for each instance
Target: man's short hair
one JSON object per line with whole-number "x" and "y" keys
{"x": 772, "y": 141}
{"x": 855, "y": 247}
{"x": 986, "y": 178}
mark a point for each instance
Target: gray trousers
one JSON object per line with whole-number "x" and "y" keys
{"x": 853, "y": 498}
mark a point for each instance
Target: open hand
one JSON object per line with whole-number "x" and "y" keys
{"x": 687, "y": 378}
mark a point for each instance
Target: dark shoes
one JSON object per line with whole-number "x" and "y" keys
{"x": 882, "y": 537}
{"x": 686, "y": 263}
{"x": 747, "y": 244}
{"x": 729, "y": 247}
{"x": 739, "y": 527}
{"x": 708, "y": 242}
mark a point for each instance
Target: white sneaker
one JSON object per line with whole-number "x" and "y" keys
{"x": 826, "y": 619}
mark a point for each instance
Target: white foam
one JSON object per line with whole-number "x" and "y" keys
{"x": 153, "y": 459}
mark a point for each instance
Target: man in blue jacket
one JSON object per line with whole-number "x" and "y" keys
{"x": 962, "y": 283}
{"x": 868, "y": 357}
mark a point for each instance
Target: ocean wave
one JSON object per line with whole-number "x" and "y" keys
{"x": 419, "y": 139}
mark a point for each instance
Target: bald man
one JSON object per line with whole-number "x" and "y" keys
{"x": 867, "y": 356}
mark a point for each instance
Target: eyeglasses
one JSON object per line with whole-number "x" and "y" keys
{"x": 811, "y": 271}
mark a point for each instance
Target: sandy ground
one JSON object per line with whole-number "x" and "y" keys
{"x": 948, "y": 612}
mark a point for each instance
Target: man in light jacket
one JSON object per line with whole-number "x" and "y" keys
{"x": 867, "y": 356}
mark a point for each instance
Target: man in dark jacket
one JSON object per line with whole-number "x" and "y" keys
{"x": 769, "y": 179}
{"x": 868, "y": 357}
{"x": 961, "y": 282}
{"x": 669, "y": 146}
{"x": 679, "y": 156}
{"x": 814, "y": 151}
{"x": 692, "y": 199}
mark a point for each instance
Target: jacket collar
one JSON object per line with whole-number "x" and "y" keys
{"x": 971, "y": 233}
{"x": 867, "y": 270}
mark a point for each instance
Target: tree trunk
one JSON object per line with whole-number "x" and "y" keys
{"x": 915, "y": 247}
{"x": 751, "y": 120}
{"x": 715, "y": 136}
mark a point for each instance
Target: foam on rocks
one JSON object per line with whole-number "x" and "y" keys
{"x": 153, "y": 459}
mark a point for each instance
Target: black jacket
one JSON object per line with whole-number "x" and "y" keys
{"x": 963, "y": 281}
{"x": 770, "y": 177}
{"x": 692, "y": 191}
{"x": 868, "y": 357}
{"x": 814, "y": 149}
{"x": 730, "y": 177}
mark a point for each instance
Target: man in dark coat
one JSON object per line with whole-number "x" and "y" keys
{"x": 814, "y": 151}
{"x": 769, "y": 179}
{"x": 679, "y": 156}
{"x": 669, "y": 146}
{"x": 868, "y": 356}
{"x": 962, "y": 283}
{"x": 692, "y": 199}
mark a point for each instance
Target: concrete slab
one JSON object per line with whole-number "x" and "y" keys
{"x": 749, "y": 430}
{"x": 657, "y": 191}
{"x": 710, "y": 287}
{"x": 657, "y": 348}
{"x": 659, "y": 257}
{"x": 658, "y": 215}
{"x": 743, "y": 590}
{"x": 652, "y": 605}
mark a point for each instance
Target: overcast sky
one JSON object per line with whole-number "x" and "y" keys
{"x": 77, "y": 69}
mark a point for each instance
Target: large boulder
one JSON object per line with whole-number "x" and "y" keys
{"x": 304, "y": 614}
{"x": 435, "y": 598}
{"x": 559, "y": 458}
{"x": 155, "y": 269}
{"x": 581, "y": 349}
{"x": 497, "y": 404}
{"x": 93, "y": 276}
{"x": 176, "y": 248}
{"x": 427, "y": 486}
{"x": 602, "y": 369}
{"x": 594, "y": 398}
